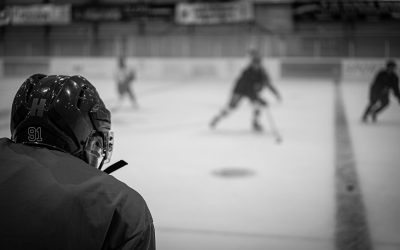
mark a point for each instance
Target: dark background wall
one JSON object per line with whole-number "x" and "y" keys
{"x": 274, "y": 31}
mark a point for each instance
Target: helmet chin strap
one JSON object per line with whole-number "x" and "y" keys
{"x": 101, "y": 163}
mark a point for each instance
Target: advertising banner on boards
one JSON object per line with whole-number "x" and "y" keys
{"x": 122, "y": 12}
{"x": 214, "y": 13}
{"x": 39, "y": 14}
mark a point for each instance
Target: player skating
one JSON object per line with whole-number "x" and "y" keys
{"x": 124, "y": 77}
{"x": 52, "y": 193}
{"x": 385, "y": 81}
{"x": 249, "y": 85}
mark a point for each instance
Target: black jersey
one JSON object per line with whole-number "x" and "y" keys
{"x": 251, "y": 81}
{"x": 383, "y": 82}
{"x": 53, "y": 200}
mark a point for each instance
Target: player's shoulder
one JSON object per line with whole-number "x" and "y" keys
{"x": 111, "y": 190}
{"x": 4, "y": 142}
{"x": 12, "y": 150}
{"x": 248, "y": 70}
{"x": 113, "y": 186}
{"x": 382, "y": 72}
{"x": 380, "y": 75}
{"x": 263, "y": 70}
{"x": 5, "y": 149}
{"x": 100, "y": 191}
{"x": 128, "y": 203}
{"x": 75, "y": 176}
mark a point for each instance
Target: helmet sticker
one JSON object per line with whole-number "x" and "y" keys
{"x": 37, "y": 107}
{"x": 35, "y": 134}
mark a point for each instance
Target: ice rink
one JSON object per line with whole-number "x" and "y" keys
{"x": 232, "y": 188}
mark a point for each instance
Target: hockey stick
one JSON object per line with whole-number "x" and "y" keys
{"x": 274, "y": 128}
{"x": 115, "y": 166}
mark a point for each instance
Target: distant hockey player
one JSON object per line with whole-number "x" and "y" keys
{"x": 385, "y": 81}
{"x": 53, "y": 194}
{"x": 249, "y": 85}
{"x": 124, "y": 77}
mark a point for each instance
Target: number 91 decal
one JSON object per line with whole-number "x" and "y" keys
{"x": 35, "y": 134}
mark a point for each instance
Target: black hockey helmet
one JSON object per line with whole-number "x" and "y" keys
{"x": 64, "y": 113}
{"x": 255, "y": 56}
{"x": 390, "y": 63}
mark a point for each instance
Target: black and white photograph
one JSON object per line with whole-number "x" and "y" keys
{"x": 199, "y": 124}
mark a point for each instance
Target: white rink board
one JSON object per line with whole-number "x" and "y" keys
{"x": 186, "y": 69}
{"x": 180, "y": 69}
{"x": 362, "y": 70}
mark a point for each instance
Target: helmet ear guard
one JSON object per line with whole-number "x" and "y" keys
{"x": 108, "y": 147}
{"x": 100, "y": 118}
{"x": 98, "y": 146}
{"x": 93, "y": 150}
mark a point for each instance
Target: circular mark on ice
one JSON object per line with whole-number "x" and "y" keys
{"x": 233, "y": 172}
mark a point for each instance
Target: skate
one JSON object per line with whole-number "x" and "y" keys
{"x": 257, "y": 127}
{"x": 373, "y": 117}
{"x": 364, "y": 119}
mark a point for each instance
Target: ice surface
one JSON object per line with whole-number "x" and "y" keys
{"x": 377, "y": 151}
{"x": 288, "y": 199}
{"x": 286, "y": 204}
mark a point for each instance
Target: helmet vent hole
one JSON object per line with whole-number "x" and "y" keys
{"x": 28, "y": 92}
{"x": 80, "y": 98}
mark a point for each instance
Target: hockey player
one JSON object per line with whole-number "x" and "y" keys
{"x": 249, "y": 85}
{"x": 385, "y": 81}
{"x": 52, "y": 193}
{"x": 124, "y": 77}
